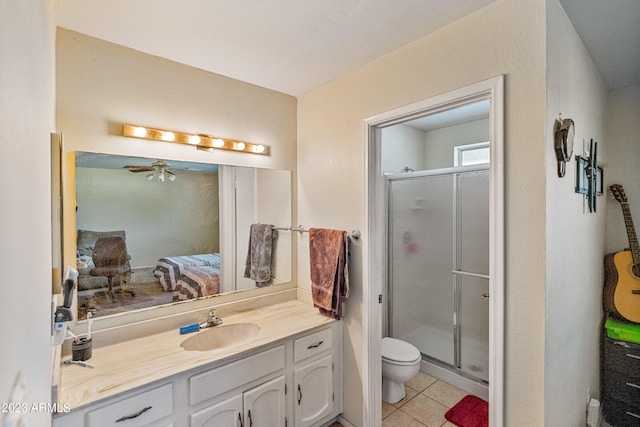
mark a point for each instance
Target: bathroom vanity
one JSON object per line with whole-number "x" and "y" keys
{"x": 289, "y": 373}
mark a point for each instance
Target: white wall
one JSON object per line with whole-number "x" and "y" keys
{"x": 575, "y": 238}
{"x": 27, "y": 101}
{"x": 507, "y": 37}
{"x": 440, "y": 142}
{"x": 623, "y": 157}
{"x": 402, "y": 146}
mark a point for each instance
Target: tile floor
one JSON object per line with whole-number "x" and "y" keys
{"x": 425, "y": 404}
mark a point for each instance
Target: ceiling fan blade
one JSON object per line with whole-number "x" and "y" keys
{"x": 138, "y": 168}
{"x": 169, "y": 172}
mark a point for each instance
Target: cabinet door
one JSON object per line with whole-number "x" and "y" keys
{"x": 227, "y": 413}
{"x": 314, "y": 391}
{"x": 264, "y": 405}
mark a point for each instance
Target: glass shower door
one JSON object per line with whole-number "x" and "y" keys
{"x": 421, "y": 254}
{"x": 471, "y": 272}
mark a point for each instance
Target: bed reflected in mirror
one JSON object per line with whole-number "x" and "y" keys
{"x": 152, "y": 232}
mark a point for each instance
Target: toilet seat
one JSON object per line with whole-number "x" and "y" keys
{"x": 399, "y": 352}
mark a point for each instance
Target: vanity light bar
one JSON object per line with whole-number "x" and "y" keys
{"x": 202, "y": 142}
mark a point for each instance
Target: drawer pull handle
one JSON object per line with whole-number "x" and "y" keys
{"x": 250, "y": 419}
{"x": 240, "y": 420}
{"x": 136, "y": 415}
{"x": 633, "y": 415}
{"x": 633, "y": 356}
{"x": 316, "y": 345}
{"x": 633, "y": 385}
{"x": 299, "y": 394}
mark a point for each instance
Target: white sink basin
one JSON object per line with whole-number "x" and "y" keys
{"x": 220, "y": 336}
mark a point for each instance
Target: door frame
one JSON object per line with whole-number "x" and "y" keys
{"x": 374, "y": 258}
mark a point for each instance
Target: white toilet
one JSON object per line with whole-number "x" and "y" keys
{"x": 400, "y": 363}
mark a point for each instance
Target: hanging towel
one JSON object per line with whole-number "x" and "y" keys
{"x": 329, "y": 267}
{"x": 258, "y": 264}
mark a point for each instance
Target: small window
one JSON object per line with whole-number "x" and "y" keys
{"x": 471, "y": 154}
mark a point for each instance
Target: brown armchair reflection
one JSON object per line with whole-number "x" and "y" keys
{"x": 111, "y": 259}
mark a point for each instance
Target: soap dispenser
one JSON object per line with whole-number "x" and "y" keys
{"x": 63, "y": 313}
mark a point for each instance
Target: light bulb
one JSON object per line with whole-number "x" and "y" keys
{"x": 217, "y": 142}
{"x": 239, "y": 146}
{"x": 172, "y": 178}
{"x": 168, "y": 136}
{"x": 149, "y": 177}
{"x": 194, "y": 139}
{"x": 140, "y": 132}
{"x": 258, "y": 148}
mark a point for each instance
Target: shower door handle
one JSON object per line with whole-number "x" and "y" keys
{"x": 468, "y": 273}
{"x": 485, "y": 295}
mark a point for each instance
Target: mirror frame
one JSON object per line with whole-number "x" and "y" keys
{"x": 172, "y": 313}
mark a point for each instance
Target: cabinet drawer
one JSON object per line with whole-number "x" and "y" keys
{"x": 138, "y": 410}
{"x": 623, "y": 387}
{"x": 620, "y": 414}
{"x": 311, "y": 344}
{"x": 621, "y": 356}
{"x": 209, "y": 384}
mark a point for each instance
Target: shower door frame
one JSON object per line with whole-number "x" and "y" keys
{"x": 455, "y": 172}
{"x": 374, "y": 273}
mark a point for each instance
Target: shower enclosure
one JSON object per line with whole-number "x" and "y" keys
{"x": 438, "y": 287}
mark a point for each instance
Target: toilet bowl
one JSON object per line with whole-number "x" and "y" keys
{"x": 400, "y": 363}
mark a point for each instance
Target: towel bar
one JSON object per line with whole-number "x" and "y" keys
{"x": 355, "y": 234}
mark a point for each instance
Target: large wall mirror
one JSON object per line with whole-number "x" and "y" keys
{"x": 154, "y": 232}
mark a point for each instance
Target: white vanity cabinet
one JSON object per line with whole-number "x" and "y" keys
{"x": 313, "y": 377}
{"x": 291, "y": 382}
{"x": 263, "y": 405}
{"x": 151, "y": 407}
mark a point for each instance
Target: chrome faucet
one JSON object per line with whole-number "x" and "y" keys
{"x": 212, "y": 319}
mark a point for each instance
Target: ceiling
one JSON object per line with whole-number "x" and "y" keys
{"x": 610, "y": 30}
{"x": 109, "y": 161}
{"x": 293, "y": 46}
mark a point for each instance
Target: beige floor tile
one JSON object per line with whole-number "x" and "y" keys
{"x": 426, "y": 410}
{"x": 444, "y": 393}
{"x": 448, "y": 424}
{"x": 410, "y": 394}
{"x": 387, "y": 409}
{"x": 400, "y": 419}
{"x": 421, "y": 381}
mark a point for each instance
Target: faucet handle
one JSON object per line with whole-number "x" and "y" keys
{"x": 213, "y": 319}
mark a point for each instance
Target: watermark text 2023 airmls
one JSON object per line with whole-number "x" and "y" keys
{"x": 23, "y": 407}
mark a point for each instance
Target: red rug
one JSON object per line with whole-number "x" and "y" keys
{"x": 471, "y": 411}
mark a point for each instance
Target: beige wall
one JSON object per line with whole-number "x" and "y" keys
{"x": 623, "y": 158}
{"x": 506, "y": 37}
{"x": 27, "y": 102}
{"x": 575, "y": 238}
{"x": 160, "y": 218}
{"x": 101, "y": 85}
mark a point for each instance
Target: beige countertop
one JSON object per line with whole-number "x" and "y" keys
{"x": 127, "y": 365}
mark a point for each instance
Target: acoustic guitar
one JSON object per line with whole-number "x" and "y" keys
{"x": 622, "y": 285}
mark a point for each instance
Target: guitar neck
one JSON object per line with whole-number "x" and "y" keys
{"x": 631, "y": 233}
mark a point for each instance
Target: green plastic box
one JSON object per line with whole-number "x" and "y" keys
{"x": 625, "y": 331}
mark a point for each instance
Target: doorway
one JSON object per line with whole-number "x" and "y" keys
{"x": 377, "y": 265}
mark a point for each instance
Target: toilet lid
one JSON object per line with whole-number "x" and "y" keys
{"x": 398, "y": 350}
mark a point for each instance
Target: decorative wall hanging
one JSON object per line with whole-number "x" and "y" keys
{"x": 563, "y": 134}
{"x": 589, "y": 176}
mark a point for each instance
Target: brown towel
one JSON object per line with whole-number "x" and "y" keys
{"x": 329, "y": 265}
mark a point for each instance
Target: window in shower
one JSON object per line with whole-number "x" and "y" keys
{"x": 471, "y": 154}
